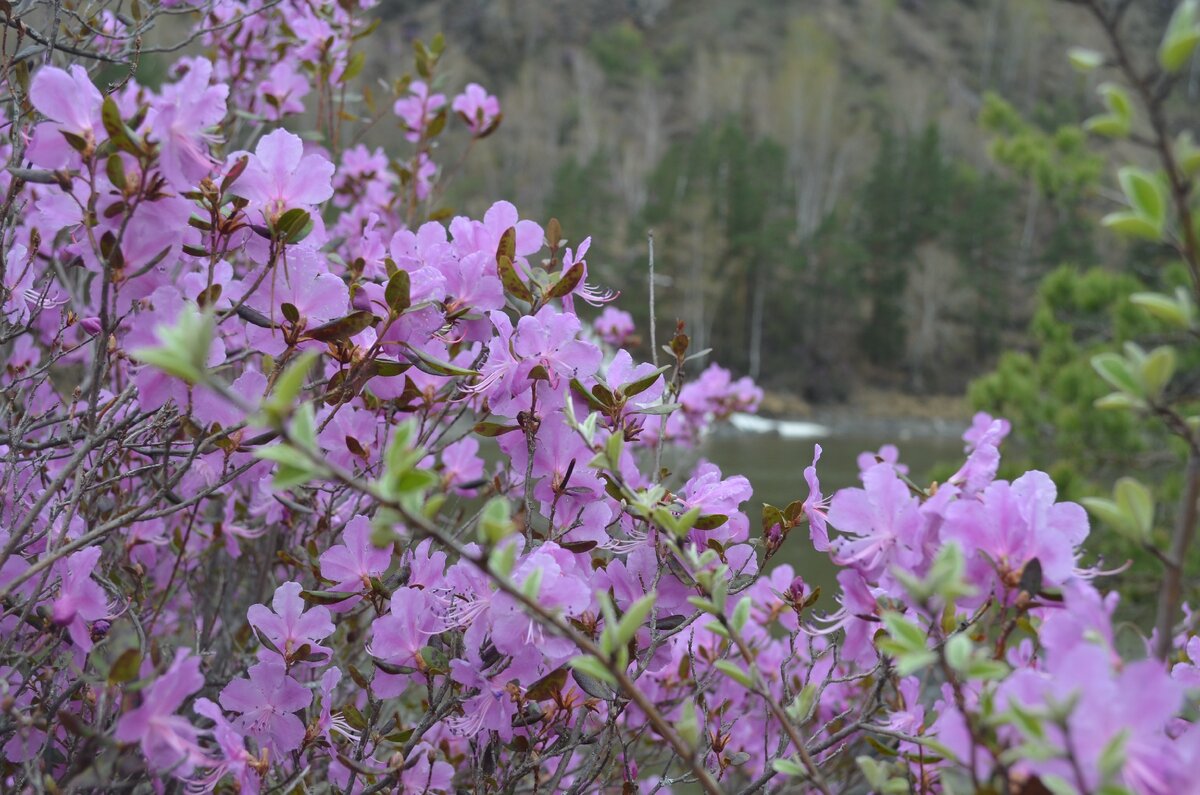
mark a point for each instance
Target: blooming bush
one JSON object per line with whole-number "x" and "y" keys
{"x": 304, "y": 487}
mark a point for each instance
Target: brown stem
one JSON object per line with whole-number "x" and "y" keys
{"x": 1171, "y": 593}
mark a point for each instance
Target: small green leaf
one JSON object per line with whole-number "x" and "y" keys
{"x": 354, "y": 66}
{"x": 1157, "y": 370}
{"x": 495, "y": 521}
{"x": 735, "y": 673}
{"x": 1114, "y": 369}
{"x": 293, "y": 226}
{"x": 288, "y": 387}
{"x": 592, "y": 667}
{"x": 788, "y": 767}
{"x": 114, "y": 168}
{"x": 1145, "y": 194}
{"x": 634, "y": 618}
{"x": 507, "y": 247}
{"x": 511, "y": 280}
{"x": 326, "y": 597}
{"x": 343, "y": 328}
{"x": 1136, "y": 503}
{"x": 1177, "y": 311}
{"x": 1181, "y": 36}
{"x": 126, "y": 667}
{"x": 1085, "y": 60}
{"x": 568, "y": 281}
{"x": 398, "y": 292}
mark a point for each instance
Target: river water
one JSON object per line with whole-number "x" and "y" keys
{"x": 774, "y": 463}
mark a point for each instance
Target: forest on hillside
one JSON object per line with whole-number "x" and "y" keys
{"x": 843, "y": 194}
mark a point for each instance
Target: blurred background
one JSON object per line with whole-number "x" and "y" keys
{"x": 885, "y": 211}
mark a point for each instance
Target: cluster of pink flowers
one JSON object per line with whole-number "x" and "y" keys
{"x": 300, "y": 486}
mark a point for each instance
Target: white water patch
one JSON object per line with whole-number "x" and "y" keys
{"x": 788, "y": 429}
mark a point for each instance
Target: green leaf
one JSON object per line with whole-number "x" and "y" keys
{"x": 1136, "y": 503}
{"x": 1120, "y": 400}
{"x": 511, "y": 280}
{"x": 1117, "y": 100}
{"x": 343, "y": 328}
{"x": 293, "y": 226}
{"x": 642, "y": 384}
{"x": 118, "y": 132}
{"x": 663, "y": 408}
{"x": 731, "y": 669}
{"x": 788, "y": 767}
{"x": 354, "y": 67}
{"x": 288, "y": 386}
{"x": 326, "y": 597}
{"x": 906, "y": 642}
{"x": 435, "y": 366}
{"x": 114, "y": 167}
{"x": 502, "y": 559}
{"x": 398, "y": 292}
{"x": 568, "y": 281}
{"x": 183, "y": 351}
{"x": 592, "y": 667}
{"x": 495, "y": 521}
{"x": 1146, "y": 195}
{"x": 169, "y": 362}
{"x": 741, "y": 613}
{"x": 1114, "y": 369}
{"x": 1177, "y": 312}
{"x": 126, "y": 667}
{"x": 1180, "y": 38}
{"x": 1107, "y": 124}
{"x": 1158, "y": 369}
{"x": 507, "y": 247}
{"x": 1085, "y": 60}
{"x": 958, "y": 652}
{"x": 985, "y": 668}
{"x": 635, "y": 617}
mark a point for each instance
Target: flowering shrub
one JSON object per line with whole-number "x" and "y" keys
{"x": 305, "y": 487}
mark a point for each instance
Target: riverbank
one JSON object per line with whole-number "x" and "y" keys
{"x": 876, "y": 411}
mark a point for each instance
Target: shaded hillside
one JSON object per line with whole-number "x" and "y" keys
{"x": 825, "y": 210}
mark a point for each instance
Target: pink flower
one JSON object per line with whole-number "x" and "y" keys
{"x": 280, "y": 176}
{"x": 352, "y": 564}
{"x": 234, "y": 759}
{"x": 289, "y": 627}
{"x": 479, "y": 109}
{"x": 397, "y": 637}
{"x": 881, "y": 522}
{"x": 614, "y": 326}
{"x": 72, "y": 104}
{"x": 549, "y": 340}
{"x": 417, "y": 110}
{"x": 80, "y": 599}
{"x": 1012, "y": 524}
{"x": 267, "y": 701}
{"x": 169, "y": 741}
{"x": 281, "y": 92}
{"x": 816, "y": 507}
{"x": 982, "y": 427}
{"x": 20, "y": 299}
{"x": 181, "y": 116}
{"x": 423, "y": 774}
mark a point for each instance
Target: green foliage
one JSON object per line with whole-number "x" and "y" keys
{"x": 622, "y": 53}
{"x": 1058, "y": 161}
{"x": 1049, "y": 391}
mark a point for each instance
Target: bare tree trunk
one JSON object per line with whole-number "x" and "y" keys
{"x": 756, "y": 323}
